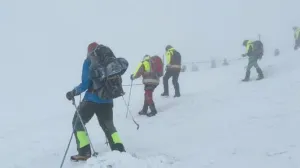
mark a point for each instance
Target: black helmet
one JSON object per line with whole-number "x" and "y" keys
{"x": 146, "y": 57}
{"x": 295, "y": 28}
{"x": 168, "y": 47}
{"x": 245, "y": 42}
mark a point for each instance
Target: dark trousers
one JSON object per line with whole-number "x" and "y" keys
{"x": 252, "y": 62}
{"x": 104, "y": 113}
{"x": 297, "y": 43}
{"x": 175, "y": 76}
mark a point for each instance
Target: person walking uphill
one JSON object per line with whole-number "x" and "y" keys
{"x": 173, "y": 69}
{"x": 254, "y": 50}
{"x": 92, "y": 104}
{"x": 151, "y": 69}
{"x": 297, "y": 37}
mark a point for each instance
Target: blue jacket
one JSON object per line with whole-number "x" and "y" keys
{"x": 86, "y": 83}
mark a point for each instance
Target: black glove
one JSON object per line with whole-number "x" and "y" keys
{"x": 244, "y": 55}
{"x": 295, "y": 47}
{"x": 70, "y": 95}
{"x": 131, "y": 77}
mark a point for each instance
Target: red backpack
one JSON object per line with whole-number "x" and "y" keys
{"x": 157, "y": 66}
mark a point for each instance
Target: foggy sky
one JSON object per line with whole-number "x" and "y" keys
{"x": 43, "y": 43}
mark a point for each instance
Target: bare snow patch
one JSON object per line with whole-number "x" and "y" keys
{"x": 116, "y": 159}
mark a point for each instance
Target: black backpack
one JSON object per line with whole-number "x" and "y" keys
{"x": 258, "y": 48}
{"x": 105, "y": 72}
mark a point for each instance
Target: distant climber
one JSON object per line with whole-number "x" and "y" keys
{"x": 183, "y": 68}
{"x": 194, "y": 67}
{"x": 173, "y": 69}
{"x": 225, "y": 62}
{"x": 254, "y": 50}
{"x": 297, "y": 37}
{"x": 151, "y": 69}
{"x": 276, "y": 52}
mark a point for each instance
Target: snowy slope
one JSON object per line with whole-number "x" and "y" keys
{"x": 218, "y": 122}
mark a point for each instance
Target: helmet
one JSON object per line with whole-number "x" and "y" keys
{"x": 245, "y": 42}
{"x": 168, "y": 47}
{"x": 146, "y": 57}
{"x": 295, "y": 28}
{"x": 92, "y": 47}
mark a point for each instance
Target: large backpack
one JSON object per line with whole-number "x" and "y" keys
{"x": 258, "y": 48}
{"x": 105, "y": 72}
{"x": 156, "y": 66}
{"x": 176, "y": 58}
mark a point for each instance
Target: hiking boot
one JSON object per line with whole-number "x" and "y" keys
{"x": 153, "y": 111}
{"x": 144, "y": 110}
{"x": 119, "y": 147}
{"x": 84, "y": 153}
{"x": 78, "y": 157}
{"x": 165, "y": 94}
{"x": 177, "y": 95}
{"x": 177, "y": 92}
{"x": 260, "y": 74}
{"x": 260, "y": 78}
{"x": 247, "y": 77}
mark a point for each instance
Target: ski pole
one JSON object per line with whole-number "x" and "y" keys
{"x": 78, "y": 115}
{"x": 137, "y": 125}
{"x": 129, "y": 96}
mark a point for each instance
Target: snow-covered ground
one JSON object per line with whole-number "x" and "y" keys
{"x": 218, "y": 122}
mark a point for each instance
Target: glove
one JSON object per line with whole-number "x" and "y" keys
{"x": 295, "y": 47}
{"x": 71, "y": 94}
{"x": 244, "y": 55}
{"x": 131, "y": 77}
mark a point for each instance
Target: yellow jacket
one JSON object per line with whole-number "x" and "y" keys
{"x": 171, "y": 62}
{"x": 297, "y": 34}
{"x": 144, "y": 70}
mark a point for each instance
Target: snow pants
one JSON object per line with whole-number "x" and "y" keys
{"x": 175, "y": 76}
{"x": 297, "y": 44}
{"x": 252, "y": 62}
{"x": 104, "y": 113}
{"x": 148, "y": 96}
{"x": 148, "y": 100}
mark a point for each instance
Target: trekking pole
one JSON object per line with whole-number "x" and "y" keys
{"x": 137, "y": 125}
{"x": 78, "y": 115}
{"x": 66, "y": 151}
{"x": 129, "y": 96}
{"x": 133, "y": 84}
{"x": 71, "y": 138}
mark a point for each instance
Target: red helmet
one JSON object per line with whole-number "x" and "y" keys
{"x": 92, "y": 47}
